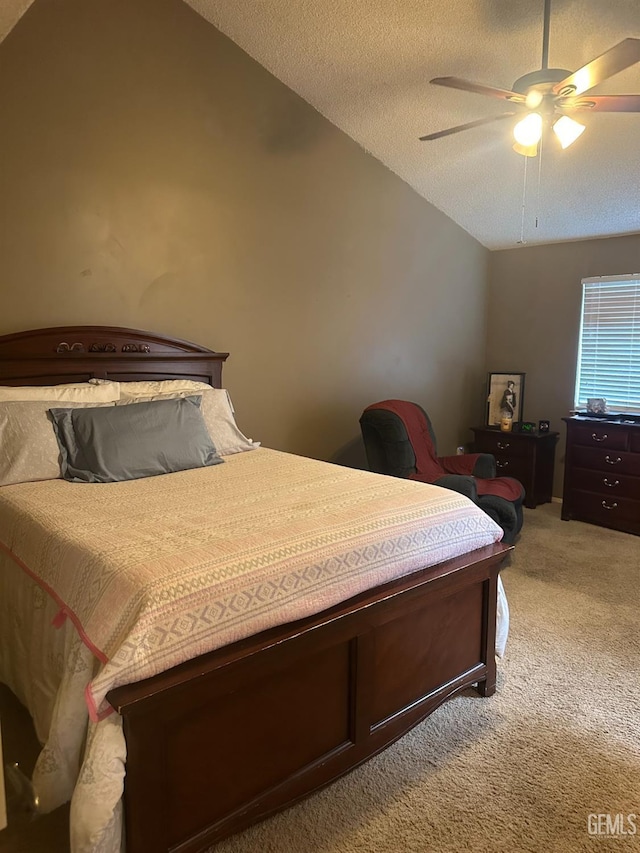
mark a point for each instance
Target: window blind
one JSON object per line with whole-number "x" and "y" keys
{"x": 609, "y": 349}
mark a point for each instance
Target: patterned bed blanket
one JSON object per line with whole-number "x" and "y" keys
{"x": 153, "y": 572}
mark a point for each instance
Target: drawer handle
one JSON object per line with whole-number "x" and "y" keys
{"x": 504, "y": 446}
{"x": 596, "y": 437}
{"x": 611, "y": 461}
{"x": 611, "y": 485}
{"x": 609, "y": 506}
{"x": 500, "y": 464}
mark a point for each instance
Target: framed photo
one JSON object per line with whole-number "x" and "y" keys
{"x": 505, "y": 397}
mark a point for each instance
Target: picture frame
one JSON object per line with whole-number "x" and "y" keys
{"x": 505, "y": 396}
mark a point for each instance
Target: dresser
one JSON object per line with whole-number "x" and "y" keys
{"x": 602, "y": 472}
{"x": 527, "y": 456}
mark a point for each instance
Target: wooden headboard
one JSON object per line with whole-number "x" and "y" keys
{"x": 79, "y": 353}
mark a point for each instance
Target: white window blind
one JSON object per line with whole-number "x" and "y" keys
{"x": 609, "y": 350}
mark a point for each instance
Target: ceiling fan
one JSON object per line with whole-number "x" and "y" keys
{"x": 551, "y": 96}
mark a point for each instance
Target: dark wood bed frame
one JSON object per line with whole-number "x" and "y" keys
{"x": 224, "y": 740}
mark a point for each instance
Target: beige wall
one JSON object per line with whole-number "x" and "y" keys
{"x": 534, "y": 306}
{"x": 153, "y": 175}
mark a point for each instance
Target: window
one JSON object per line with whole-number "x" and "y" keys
{"x": 609, "y": 349}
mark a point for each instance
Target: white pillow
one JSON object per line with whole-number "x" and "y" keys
{"x": 28, "y": 445}
{"x": 153, "y": 388}
{"x": 217, "y": 412}
{"x": 99, "y": 391}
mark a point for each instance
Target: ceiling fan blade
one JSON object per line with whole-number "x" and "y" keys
{"x": 466, "y": 126}
{"x": 611, "y": 62}
{"x": 603, "y": 103}
{"x": 478, "y": 88}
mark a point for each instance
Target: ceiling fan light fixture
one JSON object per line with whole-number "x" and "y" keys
{"x": 567, "y": 130}
{"x": 528, "y": 131}
{"x": 548, "y": 94}
{"x": 534, "y": 99}
{"x": 526, "y": 150}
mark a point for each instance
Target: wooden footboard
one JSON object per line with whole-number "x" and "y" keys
{"x": 222, "y": 741}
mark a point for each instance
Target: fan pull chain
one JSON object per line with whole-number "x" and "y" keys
{"x": 539, "y": 178}
{"x": 524, "y": 196}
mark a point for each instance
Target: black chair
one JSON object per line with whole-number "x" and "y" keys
{"x": 390, "y": 451}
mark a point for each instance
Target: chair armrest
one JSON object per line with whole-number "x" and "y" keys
{"x": 458, "y": 483}
{"x": 463, "y": 464}
{"x": 485, "y": 467}
{"x": 481, "y": 465}
{"x": 504, "y": 513}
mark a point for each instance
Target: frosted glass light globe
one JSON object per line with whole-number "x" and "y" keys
{"x": 529, "y": 130}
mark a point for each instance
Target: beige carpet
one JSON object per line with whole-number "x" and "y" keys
{"x": 523, "y": 770}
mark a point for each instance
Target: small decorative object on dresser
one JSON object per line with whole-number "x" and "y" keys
{"x": 544, "y": 426}
{"x": 596, "y": 406}
{"x": 505, "y": 394}
{"x": 602, "y": 472}
{"x": 527, "y": 456}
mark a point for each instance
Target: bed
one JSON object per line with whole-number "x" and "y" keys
{"x": 225, "y": 737}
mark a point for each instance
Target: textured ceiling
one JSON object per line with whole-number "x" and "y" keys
{"x": 366, "y": 66}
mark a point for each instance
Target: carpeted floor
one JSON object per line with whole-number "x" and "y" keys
{"x": 521, "y": 771}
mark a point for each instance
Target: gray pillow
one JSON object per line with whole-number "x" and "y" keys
{"x": 106, "y": 445}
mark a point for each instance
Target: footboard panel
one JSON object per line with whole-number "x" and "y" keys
{"x": 220, "y": 742}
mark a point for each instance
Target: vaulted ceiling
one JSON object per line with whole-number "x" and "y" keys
{"x": 366, "y": 65}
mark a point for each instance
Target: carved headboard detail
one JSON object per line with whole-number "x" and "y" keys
{"x": 78, "y": 353}
{"x": 63, "y": 346}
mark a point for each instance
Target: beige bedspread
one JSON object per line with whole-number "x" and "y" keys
{"x": 156, "y": 571}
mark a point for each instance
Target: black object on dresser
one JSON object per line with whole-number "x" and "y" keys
{"x": 602, "y": 472}
{"x": 527, "y": 456}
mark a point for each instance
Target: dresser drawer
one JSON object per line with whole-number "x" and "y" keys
{"x": 605, "y": 435}
{"x": 501, "y": 444}
{"x": 513, "y": 466}
{"x": 612, "y": 461}
{"x": 608, "y": 484}
{"x": 634, "y": 441}
{"x": 620, "y": 513}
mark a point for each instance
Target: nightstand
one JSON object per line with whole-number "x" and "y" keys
{"x": 527, "y": 456}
